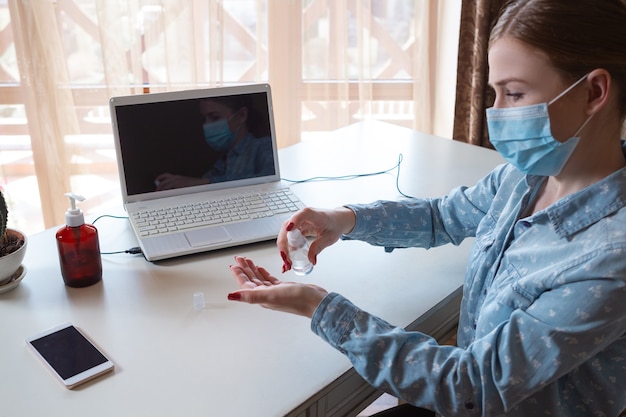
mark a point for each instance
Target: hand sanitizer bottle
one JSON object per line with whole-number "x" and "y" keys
{"x": 79, "y": 248}
{"x": 299, "y": 252}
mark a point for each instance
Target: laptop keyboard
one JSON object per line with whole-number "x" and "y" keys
{"x": 228, "y": 210}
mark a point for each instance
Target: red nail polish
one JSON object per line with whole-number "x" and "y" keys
{"x": 290, "y": 226}
{"x": 235, "y": 296}
{"x": 283, "y": 255}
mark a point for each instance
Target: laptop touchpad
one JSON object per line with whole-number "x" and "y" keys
{"x": 206, "y": 237}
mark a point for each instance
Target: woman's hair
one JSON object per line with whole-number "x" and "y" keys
{"x": 258, "y": 123}
{"x": 578, "y": 36}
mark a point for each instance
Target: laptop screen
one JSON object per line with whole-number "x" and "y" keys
{"x": 176, "y": 142}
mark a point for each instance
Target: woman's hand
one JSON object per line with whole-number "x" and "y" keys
{"x": 258, "y": 286}
{"x": 326, "y": 226}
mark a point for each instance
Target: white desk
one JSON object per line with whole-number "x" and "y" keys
{"x": 234, "y": 359}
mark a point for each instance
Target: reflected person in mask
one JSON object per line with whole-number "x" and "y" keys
{"x": 542, "y": 323}
{"x": 227, "y": 131}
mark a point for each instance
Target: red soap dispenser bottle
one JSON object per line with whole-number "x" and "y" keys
{"x": 79, "y": 248}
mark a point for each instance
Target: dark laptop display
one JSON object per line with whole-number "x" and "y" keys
{"x": 168, "y": 137}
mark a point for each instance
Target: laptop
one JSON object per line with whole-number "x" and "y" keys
{"x": 199, "y": 169}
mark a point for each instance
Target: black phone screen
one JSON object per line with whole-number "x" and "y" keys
{"x": 68, "y": 352}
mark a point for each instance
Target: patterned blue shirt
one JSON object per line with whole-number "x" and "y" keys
{"x": 542, "y": 328}
{"x": 252, "y": 157}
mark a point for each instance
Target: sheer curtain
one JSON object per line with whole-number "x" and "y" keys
{"x": 330, "y": 63}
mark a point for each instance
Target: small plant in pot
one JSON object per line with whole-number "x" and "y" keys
{"x": 12, "y": 246}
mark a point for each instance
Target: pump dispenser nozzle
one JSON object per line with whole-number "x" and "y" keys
{"x": 74, "y": 216}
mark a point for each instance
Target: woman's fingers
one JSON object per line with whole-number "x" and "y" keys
{"x": 258, "y": 286}
{"x": 248, "y": 275}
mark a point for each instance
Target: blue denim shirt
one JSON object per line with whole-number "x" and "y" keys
{"x": 542, "y": 328}
{"x": 252, "y": 157}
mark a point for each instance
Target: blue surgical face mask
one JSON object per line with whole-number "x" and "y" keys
{"x": 524, "y": 138}
{"x": 218, "y": 135}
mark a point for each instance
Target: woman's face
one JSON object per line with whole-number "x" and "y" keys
{"x": 522, "y": 75}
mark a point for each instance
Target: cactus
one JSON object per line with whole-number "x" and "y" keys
{"x": 9, "y": 242}
{"x": 4, "y": 213}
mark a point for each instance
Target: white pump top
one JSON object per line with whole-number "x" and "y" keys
{"x": 74, "y": 216}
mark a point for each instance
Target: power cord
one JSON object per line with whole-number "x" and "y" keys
{"x": 133, "y": 251}
{"x": 353, "y": 176}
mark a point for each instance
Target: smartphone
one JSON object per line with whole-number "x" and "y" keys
{"x": 69, "y": 354}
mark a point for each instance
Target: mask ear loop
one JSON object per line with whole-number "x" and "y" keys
{"x": 236, "y": 132}
{"x": 583, "y": 126}
{"x": 568, "y": 89}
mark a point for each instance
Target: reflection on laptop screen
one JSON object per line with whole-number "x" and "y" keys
{"x": 173, "y": 144}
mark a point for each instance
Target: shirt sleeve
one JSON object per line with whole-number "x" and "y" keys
{"x": 264, "y": 159}
{"x": 519, "y": 357}
{"x": 426, "y": 222}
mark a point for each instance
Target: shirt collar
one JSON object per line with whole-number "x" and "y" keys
{"x": 589, "y": 205}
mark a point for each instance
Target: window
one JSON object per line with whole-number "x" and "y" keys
{"x": 330, "y": 63}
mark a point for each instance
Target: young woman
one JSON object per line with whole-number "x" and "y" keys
{"x": 542, "y": 329}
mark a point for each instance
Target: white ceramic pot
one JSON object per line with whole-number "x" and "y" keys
{"x": 10, "y": 263}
